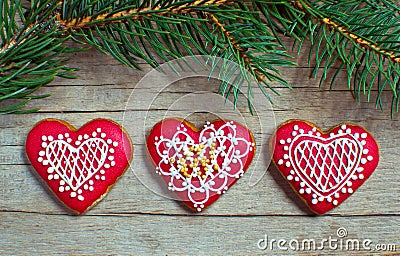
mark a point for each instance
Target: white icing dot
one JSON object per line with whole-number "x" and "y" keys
{"x": 106, "y": 166}
{"x": 363, "y": 160}
{"x": 361, "y": 176}
{"x": 44, "y": 144}
{"x": 69, "y": 140}
{"x": 50, "y": 177}
{"x": 98, "y": 129}
{"x": 370, "y": 158}
{"x": 41, "y": 153}
{"x": 302, "y": 184}
{"x": 282, "y": 142}
{"x": 94, "y": 134}
{"x": 97, "y": 177}
{"x": 336, "y": 195}
{"x": 308, "y": 190}
{"x": 318, "y": 134}
{"x": 335, "y": 202}
{"x": 67, "y": 188}
{"x": 80, "y": 137}
{"x": 62, "y": 182}
{"x": 294, "y": 133}
{"x": 301, "y": 131}
{"x": 350, "y": 190}
{"x": 291, "y": 172}
{"x": 365, "y": 151}
{"x": 111, "y": 150}
{"x": 115, "y": 144}
{"x": 344, "y": 190}
{"x": 60, "y": 136}
{"x": 280, "y": 162}
{"x": 102, "y": 171}
{"x": 86, "y": 187}
{"x": 81, "y": 198}
{"x": 45, "y": 162}
{"x": 73, "y": 194}
{"x": 103, "y": 177}
{"x": 296, "y": 127}
{"x": 285, "y": 156}
{"x": 289, "y": 140}
{"x": 61, "y": 189}
{"x": 329, "y": 199}
{"x": 77, "y": 142}
{"x": 85, "y": 136}
{"x": 331, "y": 134}
{"x": 44, "y": 138}
{"x": 290, "y": 177}
{"x": 91, "y": 182}
{"x": 348, "y": 131}
{"x": 349, "y": 183}
{"x": 40, "y": 159}
{"x": 364, "y": 135}
{"x": 354, "y": 177}
{"x": 79, "y": 191}
{"x": 66, "y": 135}
{"x": 301, "y": 191}
{"x": 314, "y": 201}
{"x": 50, "y": 138}
{"x": 363, "y": 142}
{"x": 112, "y": 163}
{"x": 91, "y": 188}
{"x": 314, "y": 129}
{"x": 56, "y": 176}
{"x": 296, "y": 178}
{"x": 321, "y": 198}
{"x": 286, "y": 148}
{"x": 103, "y": 135}
{"x": 343, "y": 127}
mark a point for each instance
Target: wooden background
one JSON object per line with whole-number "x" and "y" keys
{"x": 134, "y": 220}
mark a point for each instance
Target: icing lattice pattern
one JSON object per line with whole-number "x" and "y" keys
{"x": 202, "y": 167}
{"x": 77, "y": 165}
{"x": 325, "y": 167}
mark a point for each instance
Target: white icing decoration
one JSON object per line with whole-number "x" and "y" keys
{"x": 73, "y": 166}
{"x": 325, "y": 166}
{"x": 178, "y": 153}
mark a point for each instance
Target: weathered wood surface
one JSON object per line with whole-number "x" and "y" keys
{"x": 134, "y": 220}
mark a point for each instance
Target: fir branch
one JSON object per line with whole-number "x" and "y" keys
{"x": 229, "y": 29}
{"x": 134, "y": 14}
{"x": 29, "y": 53}
{"x": 363, "y": 35}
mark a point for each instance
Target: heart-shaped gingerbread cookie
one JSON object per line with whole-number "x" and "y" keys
{"x": 199, "y": 166}
{"x": 324, "y": 168}
{"x": 79, "y": 166}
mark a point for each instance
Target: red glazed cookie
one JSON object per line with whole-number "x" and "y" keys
{"x": 199, "y": 166}
{"x": 79, "y": 166}
{"x": 324, "y": 169}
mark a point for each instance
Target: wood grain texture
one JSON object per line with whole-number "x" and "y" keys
{"x": 132, "y": 219}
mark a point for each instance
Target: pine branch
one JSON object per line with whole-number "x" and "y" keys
{"x": 363, "y": 35}
{"x": 229, "y": 29}
{"x": 28, "y": 53}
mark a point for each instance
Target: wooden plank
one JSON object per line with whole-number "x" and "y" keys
{"x": 139, "y": 234}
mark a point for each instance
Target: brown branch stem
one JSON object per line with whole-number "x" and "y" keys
{"x": 136, "y": 14}
{"x": 363, "y": 43}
